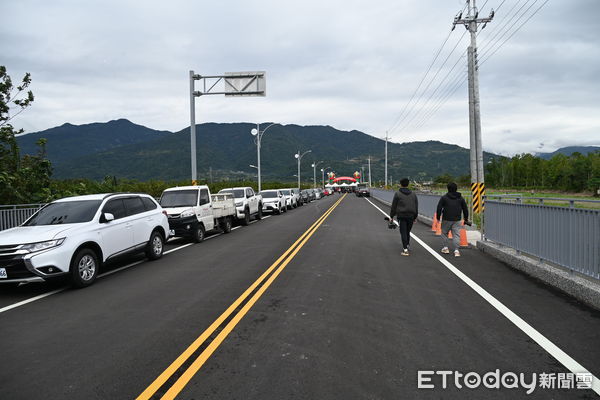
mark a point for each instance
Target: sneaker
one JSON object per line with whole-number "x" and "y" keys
{"x": 456, "y": 253}
{"x": 404, "y": 253}
{"x": 445, "y": 250}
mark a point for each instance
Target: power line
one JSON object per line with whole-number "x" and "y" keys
{"x": 430, "y": 82}
{"x": 516, "y": 30}
{"x": 448, "y": 91}
{"x": 432, "y": 93}
{"x": 486, "y": 47}
{"x": 401, "y": 115}
{"x": 421, "y": 82}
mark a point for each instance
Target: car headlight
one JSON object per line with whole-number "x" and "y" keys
{"x": 187, "y": 213}
{"x": 39, "y": 246}
{"x": 239, "y": 203}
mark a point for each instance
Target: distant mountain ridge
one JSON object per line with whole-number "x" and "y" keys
{"x": 567, "y": 151}
{"x": 225, "y": 151}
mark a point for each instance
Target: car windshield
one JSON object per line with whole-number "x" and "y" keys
{"x": 179, "y": 198}
{"x": 65, "y": 212}
{"x": 286, "y": 192}
{"x": 237, "y": 193}
{"x": 269, "y": 195}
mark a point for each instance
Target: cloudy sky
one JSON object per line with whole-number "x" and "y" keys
{"x": 346, "y": 63}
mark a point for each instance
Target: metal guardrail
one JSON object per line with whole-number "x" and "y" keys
{"x": 569, "y": 237}
{"x": 15, "y": 215}
{"x": 427, "y": 202}
{"x": 566, "y": 236}
{"x": 540, "y": 200}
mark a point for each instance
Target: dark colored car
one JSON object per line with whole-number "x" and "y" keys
{"x": 304, "y": 196}
{"x": 362, "y": 190}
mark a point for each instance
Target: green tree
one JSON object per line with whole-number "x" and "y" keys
{"x": 22, "y": 179}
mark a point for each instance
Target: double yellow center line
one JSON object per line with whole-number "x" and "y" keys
{"x": 258, "y": 288}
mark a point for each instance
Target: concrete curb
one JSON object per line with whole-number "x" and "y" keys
{"x": 582, "y": 289}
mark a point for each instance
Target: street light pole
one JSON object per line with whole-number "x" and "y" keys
{"x": 256, "y": 132}
{"x": 299, "y": 157}
{"x": 314, "y": 165}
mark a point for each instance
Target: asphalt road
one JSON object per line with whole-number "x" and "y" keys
{"x": 334, "y": 313}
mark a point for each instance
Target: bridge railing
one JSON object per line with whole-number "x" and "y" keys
{"x": 566, "y": 236}
{"x": 15, "y": 215}
{"x": 427, "y": 202}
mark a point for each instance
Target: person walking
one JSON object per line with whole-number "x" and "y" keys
{"x": 449, "y": 210}
{"x": 405, "y": 207}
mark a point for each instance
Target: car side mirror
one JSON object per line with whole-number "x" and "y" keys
{"x": 107, "y": 217}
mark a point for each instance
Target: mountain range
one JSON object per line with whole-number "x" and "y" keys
{"x": 567, "y": 151}
{"x": 226, "y": 150}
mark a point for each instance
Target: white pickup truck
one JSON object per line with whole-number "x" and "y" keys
{"x": 247, "y": 203}
{"x": 192, "y": 211}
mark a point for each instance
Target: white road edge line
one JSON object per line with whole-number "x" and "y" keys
{"x": 540, "y": 339}
{"x": 235, "y": 227}
{"x": 43, "y": 295}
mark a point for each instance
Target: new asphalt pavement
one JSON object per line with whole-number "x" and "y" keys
{"x": 316, "y": 303}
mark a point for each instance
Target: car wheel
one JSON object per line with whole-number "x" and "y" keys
{"x": 84, "y": 268}
{"x": 259, "y": 214}
{"x": 246, "y": 219}
{"x": 155, "y": 246}
{"x": 226, "y": 225}
{"x": 199, "y": 233}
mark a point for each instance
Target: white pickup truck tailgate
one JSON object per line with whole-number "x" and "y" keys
{"x": 223, "y": 205}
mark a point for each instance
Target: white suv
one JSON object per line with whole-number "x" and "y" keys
{"x": 75, "y": 235}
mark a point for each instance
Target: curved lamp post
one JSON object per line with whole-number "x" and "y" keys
{"x": 259, "y": 134}
{"x": 299, "y": 157}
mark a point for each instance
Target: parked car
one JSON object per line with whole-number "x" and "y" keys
{"x": 273, "y": 201}
{"x": 362, "y": 190}
{"x": 311, "y": 194}
{"x": 290, "y": 200}
{"x": 74, "y": 236}
{"x": 297, "y": 196}
{"x": 305, "y": 196}
{"x": 192, "y": 211}
{"x": 318, "y": 194}
{"x": 247, "y": 203}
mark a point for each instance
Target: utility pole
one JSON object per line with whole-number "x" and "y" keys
{"x": 471, "y": 23}
{"x": 386, "y": 176}
{"x": 369, "y": 171}
{"x": 362, "y": 173}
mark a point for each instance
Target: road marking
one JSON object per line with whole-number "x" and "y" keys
{"x": 540, "y": 339}
{"x": 278, "y": 266}
{"x": 22, "y": 303}
{"x": 235, "y": 227}
{"x": 43, "y": 295}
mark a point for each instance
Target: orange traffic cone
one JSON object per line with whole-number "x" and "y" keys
{"x": 434, "y": 222}
{"x": 463, "y": 238}
{"x": 449, "y": 234}
{"x": 438, "y": 228}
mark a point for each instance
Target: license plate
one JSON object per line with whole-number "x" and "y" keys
{"x": 3, "y": 274}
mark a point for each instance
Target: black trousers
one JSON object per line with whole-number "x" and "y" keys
{"x": 406, "y": 224}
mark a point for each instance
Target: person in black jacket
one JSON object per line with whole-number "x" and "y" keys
{"x": 406, "y": 207}
{"x": 449, "y": 210}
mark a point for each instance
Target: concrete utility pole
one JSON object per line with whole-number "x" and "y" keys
{"x": 386, "y": 176}
{"x": 471, "y": 22}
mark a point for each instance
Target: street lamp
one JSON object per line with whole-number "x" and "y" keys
{"x": 299, "y": 157}
{"x": 259, "y": 134}
{"x": 323, "y": 174}
{"x": 314, "y": 166}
